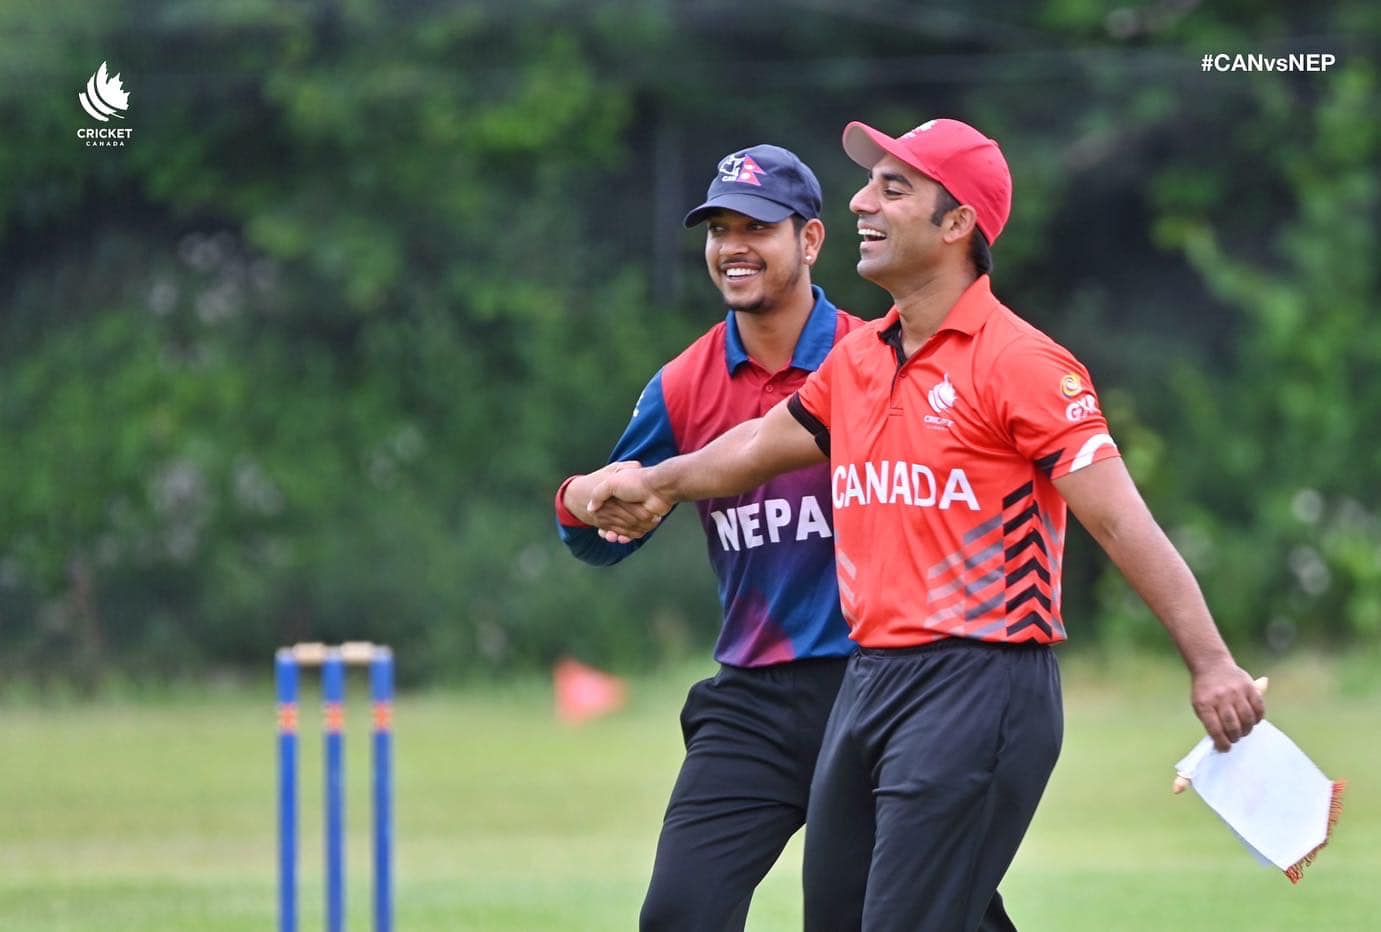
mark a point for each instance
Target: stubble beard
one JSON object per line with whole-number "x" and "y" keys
{"x": 770, "y": 299}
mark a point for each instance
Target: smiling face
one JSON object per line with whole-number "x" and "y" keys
{"x": 757, "y": 266}
{"x": 900, "y": 241}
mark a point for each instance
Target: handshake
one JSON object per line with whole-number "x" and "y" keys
{"x": 619, "y": 500}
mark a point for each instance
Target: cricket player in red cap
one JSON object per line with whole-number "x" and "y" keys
{"x": 753, "y": 731}
{"x": 957, "y": 436}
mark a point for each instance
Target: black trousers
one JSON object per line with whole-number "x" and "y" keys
{"x": 752, "y": 739}
{"x": 931, "y": 769}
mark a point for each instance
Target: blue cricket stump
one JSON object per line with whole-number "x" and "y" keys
{"x": 333, "y": 661}
{"x": 381, "y": 695}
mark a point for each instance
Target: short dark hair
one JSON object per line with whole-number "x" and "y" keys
{"x": 798, "y": 223}
{"x": 979, "y": 253}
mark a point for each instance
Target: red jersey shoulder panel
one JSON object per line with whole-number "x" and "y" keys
{"x": 692, "y": 371}
{"x": 1040, "y": 397}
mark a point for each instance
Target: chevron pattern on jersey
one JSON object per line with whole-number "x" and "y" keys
{"x": 1003, "y": 584}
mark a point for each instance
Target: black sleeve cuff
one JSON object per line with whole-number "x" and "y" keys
{"x": 810, "y": 422}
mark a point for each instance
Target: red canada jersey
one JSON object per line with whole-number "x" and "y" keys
{"x": 946, "y": 519}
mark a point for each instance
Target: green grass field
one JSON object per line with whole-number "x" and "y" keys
{"x": 158, "y": 814}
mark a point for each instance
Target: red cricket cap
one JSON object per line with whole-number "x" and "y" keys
{"x": 966, "y": 163}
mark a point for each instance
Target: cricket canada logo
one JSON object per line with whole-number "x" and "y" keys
{"x": 103, "y": 98}
{"x": 943, "y": 396}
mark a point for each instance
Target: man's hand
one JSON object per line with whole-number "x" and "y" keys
{"x": 624, "y": 506}
{"x": 741, "y": 458}
{"x": 577, "y": 495}
{"x": 1227, "y": 702}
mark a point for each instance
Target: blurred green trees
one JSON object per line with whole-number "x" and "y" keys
{"x": 309, "y": 356}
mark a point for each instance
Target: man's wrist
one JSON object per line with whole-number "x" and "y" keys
{"x": 661, "y": 480}
{"x": 1206, "y": 661}
{"x": 570, "y": 510}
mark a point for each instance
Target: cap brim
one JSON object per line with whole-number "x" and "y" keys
{"x": 759, "y": 208}
{"x": 867, "y": 146}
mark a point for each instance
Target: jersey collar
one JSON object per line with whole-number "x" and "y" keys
{"x": 967, "y": 316}
{"x": 812, "y": 346}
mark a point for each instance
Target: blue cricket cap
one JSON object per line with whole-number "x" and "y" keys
{"x": 767, "y": 183}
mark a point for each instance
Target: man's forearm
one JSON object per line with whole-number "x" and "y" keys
{"x": 740, "y": 459}
{"x": 1157, "y": 572}
{"x": 728, "y": 465}
{"x": 1105, "y": 500}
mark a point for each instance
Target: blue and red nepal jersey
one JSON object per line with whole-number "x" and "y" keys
{"x": 772, "y": 549}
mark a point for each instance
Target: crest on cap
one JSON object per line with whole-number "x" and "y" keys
{"x": 740, "y": 168}
{"x": 768, "y": 183}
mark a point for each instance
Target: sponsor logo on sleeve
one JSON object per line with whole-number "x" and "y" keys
{"x": 1081, "y": 408}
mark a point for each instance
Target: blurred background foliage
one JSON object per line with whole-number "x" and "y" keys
{"x": 308, "y": 356}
